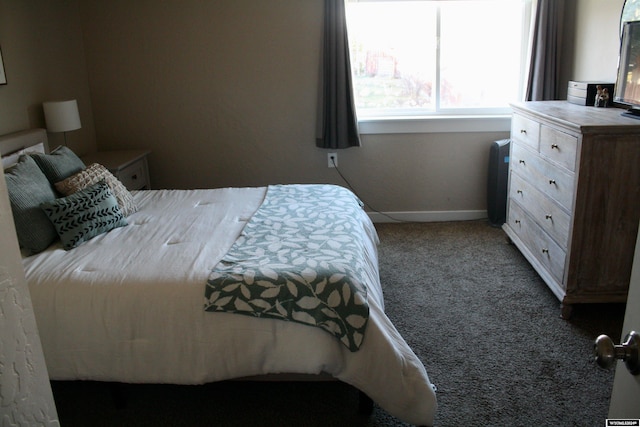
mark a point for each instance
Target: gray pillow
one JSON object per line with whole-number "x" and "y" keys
{"x": 28, "y": 188}
{"x": 85, "y": 214}
{"x": 61, "y": 163}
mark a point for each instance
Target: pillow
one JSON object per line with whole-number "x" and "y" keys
{"x": 93, "y": 174}
{"x": 84, "y": 215}
{"x": 60, "y": 164}
{"x": 28, "y": 188}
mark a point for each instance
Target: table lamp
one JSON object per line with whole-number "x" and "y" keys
{"x": 62, "y": 116}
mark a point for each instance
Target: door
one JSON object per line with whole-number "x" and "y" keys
{"x": 625, "y": 396}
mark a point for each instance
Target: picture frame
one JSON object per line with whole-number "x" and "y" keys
{"x": 3, "y": 76}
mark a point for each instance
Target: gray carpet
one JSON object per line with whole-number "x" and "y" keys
{"x": 484, "y": 324}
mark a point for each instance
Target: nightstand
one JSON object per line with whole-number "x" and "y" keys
{"x": 129, "y": 166}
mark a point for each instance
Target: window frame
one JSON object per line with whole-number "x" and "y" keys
{"x": 401, "y": 121}
{"x": 435, "y": 124}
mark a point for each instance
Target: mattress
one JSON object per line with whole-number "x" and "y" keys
{"x": 127, "y": 306}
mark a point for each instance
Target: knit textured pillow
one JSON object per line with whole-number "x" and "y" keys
{"x": 59, "y": 164}
{"x": 95, "y": 173}
{"x": 84, "y": 215}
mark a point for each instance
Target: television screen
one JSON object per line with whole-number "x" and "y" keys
{"x": 627, "y": 89}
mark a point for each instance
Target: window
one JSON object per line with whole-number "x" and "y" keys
{"x": 437, "y": 58}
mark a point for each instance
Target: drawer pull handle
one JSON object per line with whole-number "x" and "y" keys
{"x": 519, "y": 191}
{"x": 517, "y": 221}
{"x": 545, "y": 251}
{"x": 554, "y": 146}
{"x": 134, "y": 177}
{"x": 552, "y": 181}
{"x": 548, "y": 217}
{"x": 523, "y": 131}
{"x": 521, "y": 162}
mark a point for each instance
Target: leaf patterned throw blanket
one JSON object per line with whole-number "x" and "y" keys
{"x": 299, "y": 258}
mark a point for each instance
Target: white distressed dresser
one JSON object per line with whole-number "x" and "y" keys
{"x": 574, "y": 198}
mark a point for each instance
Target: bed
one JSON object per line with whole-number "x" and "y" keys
{"x": 148, "y": 301}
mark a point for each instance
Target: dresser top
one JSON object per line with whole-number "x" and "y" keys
{"x": 583, "y": 119}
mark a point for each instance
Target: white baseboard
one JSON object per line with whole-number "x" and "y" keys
{"x": 431, "y": 216}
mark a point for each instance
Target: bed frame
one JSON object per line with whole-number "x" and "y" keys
{"x": 16, "y": 141}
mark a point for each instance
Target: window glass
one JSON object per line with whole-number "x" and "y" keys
{"x": 422, "y": 58}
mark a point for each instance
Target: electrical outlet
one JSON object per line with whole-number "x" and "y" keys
{"x": 332, "y": 160}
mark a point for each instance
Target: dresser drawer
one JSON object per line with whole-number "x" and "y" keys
{"x": 525, "y": 131}
{"x": 551, "y": 217}
{"x": 134, "y": 176}
{"x": 541, "y": 245}
{"x": 545, "y": 176}
{"x": 559, "y": 147}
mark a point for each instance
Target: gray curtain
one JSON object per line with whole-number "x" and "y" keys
{"x": 544, "y": 71}
{"x": 337, "y": 121}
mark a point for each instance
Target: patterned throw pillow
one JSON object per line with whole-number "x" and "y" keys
{"x": 85, "y": 214}
{"x": 28, "y": 188}
{"x": 93, "y": 174}
{"x": 60, "y": 164}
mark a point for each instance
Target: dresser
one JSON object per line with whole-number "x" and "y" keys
{"x": 574, "y": 198}
{"x": 129, "y": 166}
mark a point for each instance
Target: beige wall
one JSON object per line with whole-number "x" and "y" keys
{"x": 43, "y": 56}
{"x": 224, "y": 94}
{"x": 597, "y": 41}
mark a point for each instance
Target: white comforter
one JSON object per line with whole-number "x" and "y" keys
{"x": 127, "y": 306}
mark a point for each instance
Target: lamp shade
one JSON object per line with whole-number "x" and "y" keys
{"x": 61, "y": 116}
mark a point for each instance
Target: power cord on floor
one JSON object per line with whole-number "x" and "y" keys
{"x": 335, "y": 166}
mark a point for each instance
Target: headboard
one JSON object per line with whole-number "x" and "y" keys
{"x": 13, "y": 144}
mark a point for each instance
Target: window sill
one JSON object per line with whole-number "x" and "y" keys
{"x": 436, "y": 124}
